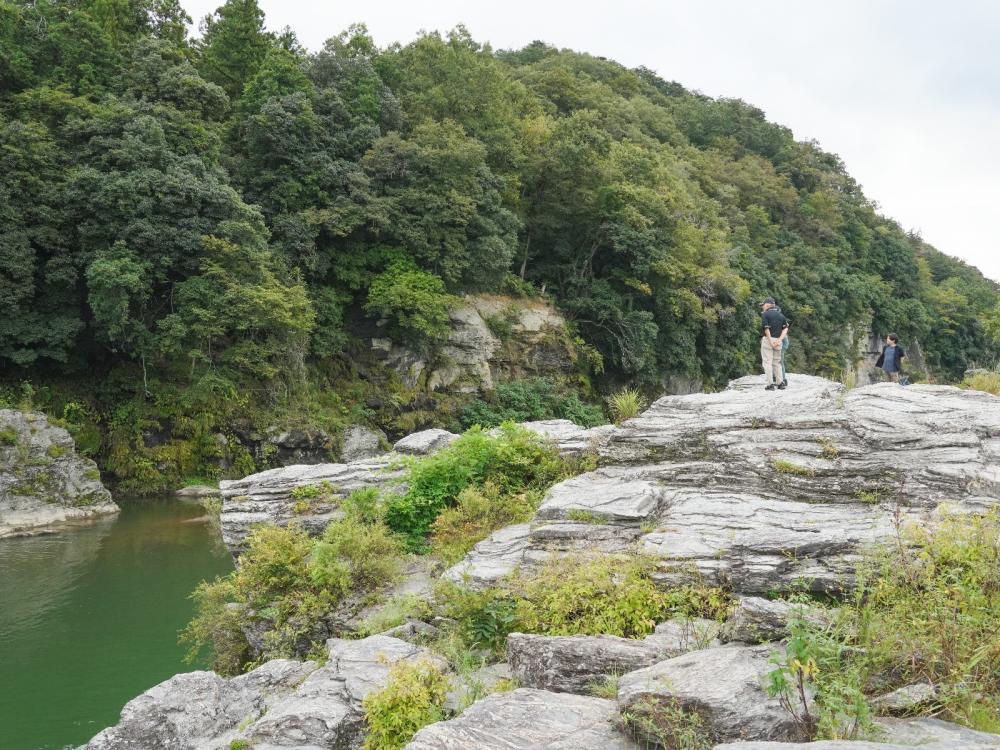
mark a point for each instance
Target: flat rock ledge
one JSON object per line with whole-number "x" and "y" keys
{"x": 282, "y": 703}
{"x": 527, "y": 719}
{"x": 43, "y": 481}
{"x": 762, "y": 491}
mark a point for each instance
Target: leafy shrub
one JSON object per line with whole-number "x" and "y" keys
{"x": 478, "y": 513}
{"x": 530, "y": 399}
{"x": 612, "y": 595}
{"x": 626, "y": 404}
{"x": 414, "y": 300}
{"x": 8, "y": 436}
{"x": 925, "y": 610}
{"x": 930, "y": 610}
{"x": 615, "y": 595}
{"x": 485, "y": 618}
{"x": 355, "y": 556}
{"x": 514, "y": 461}
{"x": 815, "y": 663}
{"x": 413, "y": 698}
{"x": 291, "y": 582}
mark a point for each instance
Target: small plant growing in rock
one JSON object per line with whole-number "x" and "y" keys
{"x": 413, "y": 698}
{"x": 606, "y": 688}
{"x": 782, "y": 466}
{"x": 626, "y": 404}
{"x": 828, "y": 449}
{"x": 584, "y": 516}
{"x": 239, "y": 745}
{"x": 8, "y": 436}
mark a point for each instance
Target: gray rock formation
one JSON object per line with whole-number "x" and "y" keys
{"x": 579, "y": 663}
{"x": 722, "y": 686}
{"x": 527, "y": 719}
{"x": 897, "y": 734}
{"x": 282, "y": 703}
{"x": 905, "y": 699}
{"x": 474, "y": 358}
{"x": 765, "y": 490}
{"x": 424, "y": 442}
{"x": 361, "y": 443}
{"x": 267, "y": 497}
{"x": 756, "y": 620}
{"x": 43, "y": 481}
{"x": 935, "y": 734}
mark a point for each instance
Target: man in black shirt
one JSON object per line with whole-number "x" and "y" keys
{"x": 773, "y": 329}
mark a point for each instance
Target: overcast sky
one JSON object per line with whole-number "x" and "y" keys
{"x": 906, "y": 92}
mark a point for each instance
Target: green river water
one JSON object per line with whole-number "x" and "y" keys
{"x": 89, "y": 618}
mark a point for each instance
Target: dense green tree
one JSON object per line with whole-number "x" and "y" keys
{"x": 233, "y": 45}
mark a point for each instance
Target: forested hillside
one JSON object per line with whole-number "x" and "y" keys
{"x": 192, "y": 220}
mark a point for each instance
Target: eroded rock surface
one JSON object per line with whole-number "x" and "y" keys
{"x": 527, "y": 719}
{"x": 43, "y": 481}
{"x": 283, "y": 703}
{"x": 765, "y": 491}
{"x": 723, "y": 686}
{"x": 579, "y": 663}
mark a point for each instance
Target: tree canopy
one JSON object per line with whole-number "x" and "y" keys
{"x": 237, "y": 203}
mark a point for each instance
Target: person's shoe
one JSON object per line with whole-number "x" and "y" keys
{"x": 784, "y": 383}
{"x": 769, "y": 387}
{"x": 782, "y": 386}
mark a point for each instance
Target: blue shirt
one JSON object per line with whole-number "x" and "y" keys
{"x": 891, "y": 360}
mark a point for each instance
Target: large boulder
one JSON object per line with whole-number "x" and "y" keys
{"x": 579, "y": 663}
{"x": 268, "y": 496}
{"x": 283, "y": 703}
{"x": 527, "y": 719}
{"x": 43, "y": 481}
{"x": 721, "y": 689}
{"x": 424, "y": 442}
{"x": 360, "y": 443}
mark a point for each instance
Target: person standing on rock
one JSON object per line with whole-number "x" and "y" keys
{"x": 784, "y": 346}
{"x": 774, "y": 329}
{"x": 891, "y": 358}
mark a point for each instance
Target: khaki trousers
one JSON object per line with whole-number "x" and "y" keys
{"x": 771, "y": 359}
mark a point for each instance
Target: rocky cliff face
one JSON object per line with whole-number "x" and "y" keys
{"x": 42, "y": 479}
{"x": 492, "y": 339}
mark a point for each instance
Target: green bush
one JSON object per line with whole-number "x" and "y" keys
{"x": 613, "y": 595}
{"x": 413, "y": 300}
{"x": 574, "y": 595}
{"x": 291, "y": 582}
{"x": 530, "y": 399}
{"x": 8, "y": 436}
{"x": 413, "y": 698}
{"x": 477, "y": 513}
{"x": 355, "y": 556}
{"x": 514, "y": 461}
{"x": 925, "y": 610}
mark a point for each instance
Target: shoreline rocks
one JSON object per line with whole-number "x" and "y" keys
{"x": 43, "y": 482}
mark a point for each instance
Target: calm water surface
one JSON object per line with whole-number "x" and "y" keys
{"x": 89, "y": 618}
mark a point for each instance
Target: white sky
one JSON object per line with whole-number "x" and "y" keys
{"x": 907, "y": 92}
